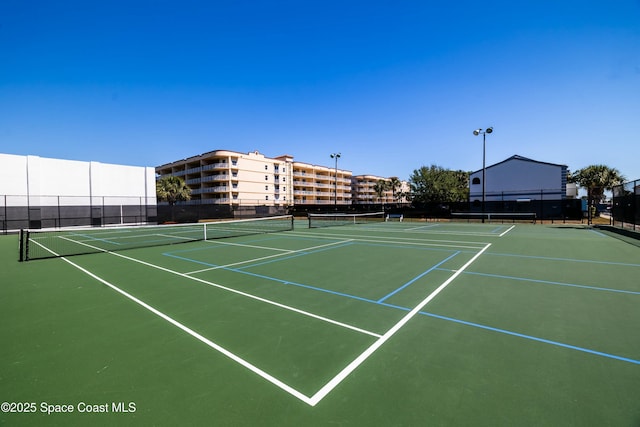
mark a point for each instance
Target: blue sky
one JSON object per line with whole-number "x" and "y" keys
{"x": 392, "y": 85}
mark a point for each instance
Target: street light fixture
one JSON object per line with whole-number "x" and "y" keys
{"x": 484, "y": 140}
{"x": 335, "y": 185}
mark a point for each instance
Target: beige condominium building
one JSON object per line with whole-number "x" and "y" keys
{"x": 320, "y": 185}
{"x": 229, "y": 177}
{"x": 365, "y": 190}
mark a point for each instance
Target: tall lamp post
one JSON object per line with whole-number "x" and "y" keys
{"x": 484, "y": 169}
{"x": 335, "y": 184}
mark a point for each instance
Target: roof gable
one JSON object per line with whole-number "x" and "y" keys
{"x": 517, "y": 157}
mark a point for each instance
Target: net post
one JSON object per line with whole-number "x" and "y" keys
{"x": 204, "y": 227}
{"x": 27, "y": 238}
{"x": 21, "y": 245}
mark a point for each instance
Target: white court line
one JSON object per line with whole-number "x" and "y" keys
{"x": 416, "y": 230}
{"x": 422, "y": 227}
{"x": 398, "y": 240}
{"x": 218, "y": 242}
{"x": 508, "y": 230}
{"x": 199, "y": 337}
{"x": 289, "y": 252}
{"x": 376, "y": 345}
{"x": 171, "y": 236}
{"x": 196, "y": 335}
{"x": 235, "y": 291}
{"x": 335, "y": 381}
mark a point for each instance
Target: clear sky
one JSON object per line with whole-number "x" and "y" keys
{"x": 391, "y": 85}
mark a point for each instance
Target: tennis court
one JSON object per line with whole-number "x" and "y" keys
{"x": 381, "y": 323}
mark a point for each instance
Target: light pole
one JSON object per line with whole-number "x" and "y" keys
{"x": 335, "y": 184}
{"x": 484, "y": 143}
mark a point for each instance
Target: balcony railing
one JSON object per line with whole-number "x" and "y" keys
{"x": 215, "y": 166}
{"x": 218, "y": 189}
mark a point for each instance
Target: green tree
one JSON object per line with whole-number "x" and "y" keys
{"x": 172, "y": 189}
{"x": 436, "y": 184}
{"x": 596, "y": 179}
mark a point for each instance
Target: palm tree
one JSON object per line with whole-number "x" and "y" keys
{"x": 380, "y": 187}
{"x": 596, "y": 179}
{"x": 394, "y": 185}
{"x": 172, "y": 189}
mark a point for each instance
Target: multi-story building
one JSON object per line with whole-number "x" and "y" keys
{"x": 232, "y": 178}
{"x": 320, "y": 185}
{"x": 364, "y": 190}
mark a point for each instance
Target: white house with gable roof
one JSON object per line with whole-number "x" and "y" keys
{"x": 520, "y": 179}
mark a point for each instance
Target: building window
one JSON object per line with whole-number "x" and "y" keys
{"x": 475, "y": 181}
{"x": 266, "y": 177}
{"x": 266, "y": 187}
{"x": 266, "y": 197}
{"x": 266, "y": 167}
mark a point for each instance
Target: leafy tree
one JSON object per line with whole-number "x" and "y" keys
{"x": 436, "y": 184}
{"x": 596, "y": 179}
{"x": 172, "y": 189}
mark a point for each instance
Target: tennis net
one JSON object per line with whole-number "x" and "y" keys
{"x": 336, "y": 219}
{"x": 38, "y": 244}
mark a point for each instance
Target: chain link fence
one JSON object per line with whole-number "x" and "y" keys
{"x": 35, "y": 212}
{"x": 626, "y": 206}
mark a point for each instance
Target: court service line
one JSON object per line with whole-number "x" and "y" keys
{"x": 235, "y": 291}
{"x": 429, "y": 231}
{"x": 333, "y": 383}
{"x": 292, "y": 391}
{"x": 389, "y": 295}
{"x": 289, "y": 252}
{"x": 244, "y": 245}
{"x": 190, "y": 331}
{"x": 174, "y": 237}
{"x": 421, "y": 227}
{"x": 95, "y": 239}
{"x": 508, "y": 230}
{"x": 199, "y": 337}
{"x": 399, "y": 240}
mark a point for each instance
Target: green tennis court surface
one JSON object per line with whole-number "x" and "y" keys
{"x": 379, "y": 324}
